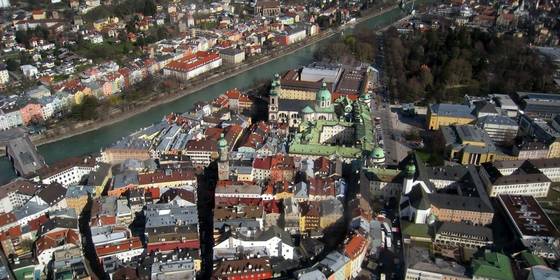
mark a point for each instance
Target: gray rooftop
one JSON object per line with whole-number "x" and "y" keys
{"x": 457, "y": 110}
{"x": 165, "y": 214}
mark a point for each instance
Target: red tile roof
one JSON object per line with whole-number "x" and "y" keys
{"x": 56, "y": 239}
{"x": 355, "y": 246}
{"x": 262, "y": 163}
{"x": 118, "y": 247}
{"x": 35, "y": 224}
{"x": 193, "y": 61}
{"x": 203, "y": 145}
{"x": 161, "y": 176}
{"x": 11, "y": 233}
{"x": 7, "y": 218}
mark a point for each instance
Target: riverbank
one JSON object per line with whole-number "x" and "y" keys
{"x": 158, "y": 100}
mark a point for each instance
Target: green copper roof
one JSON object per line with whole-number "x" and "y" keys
{"x": 307, "y": 110}
{"x": 531, "y": 259}
{"x": 222, "y": 143}
{"x": 410, "y": 168}
{"x": 377, "y": 153}
{"x": 493, "y": 266}
{"x": 323, "y": 93}
{"x": 307, "y": 140}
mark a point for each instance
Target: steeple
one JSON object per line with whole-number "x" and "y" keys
{"x": 223, "y": 160}
{"x": 323, "y": 97}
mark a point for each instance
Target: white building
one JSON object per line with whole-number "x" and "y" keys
{"x": 232, "y": 55}
{"x": 501, "y": 129}
{"x": 68, "y": 172}
{"x": 4, "y": 75}
{"x": 29, "y": 71}
{"x": 526, "y": 180}
{"x": 15, "y": 194}
{"x": 193, "y": 65}
{"x": 275, "y": 242}
{"x": 10, "y": 118}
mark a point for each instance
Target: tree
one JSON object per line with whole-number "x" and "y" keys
{"x": 364, "y": 52}
{"x": 12, "y": 64}
{"x": 21, "y": 37}
{"x": 87, "y": 110}
{"x": 149, "y": 8}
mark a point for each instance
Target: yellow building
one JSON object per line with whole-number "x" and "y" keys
{"x": 554, "y": 149}
{"x": 77, "y": 197}
{"x": 99, "y": 178}
{"x": 99, "y": 24}
{"x": 309, "y": 217}
{"x": 468, "y": 144}
{"x": 448, "y": 114}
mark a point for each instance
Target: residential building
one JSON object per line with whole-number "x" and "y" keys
{"x": 460, "y": 241}
{"x": 4, "y": 75}
{"x": 355, "y": 249}
{"x": 15, "y": 194}
{"x": 267, "y": 8}
{"x": 31, "y": 112}
{"x": 193, "y": 65}
{"x": 171, "y": 225}
{"x": 68, "y": 172}
{"x": 176, "y": 265}
{"x": 29, "y": 71}
{"x": 201, "y": 151}
{"x": 10, "y": 117}
{"x": 420, "y": 266}
{"x": 310, "y": 216}
{"x": 331, "y": 212}
{"x": 77, "y": 197}
{"x": 253, "y": 268}
{"x": 380, "y": 182}
{"x": 232, "y": 55}
{"x": 526, "y": 180}
{"x": 49, "y": 243}
{"x": 275, "y": 242}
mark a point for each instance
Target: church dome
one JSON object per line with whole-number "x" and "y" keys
{"x": 378, "y": 153}
{"x": 323, "y": 94}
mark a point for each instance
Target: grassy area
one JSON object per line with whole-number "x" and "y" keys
{"x": 107, "y": 51}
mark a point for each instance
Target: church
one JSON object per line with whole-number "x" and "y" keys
{"x": 294, "y": 111}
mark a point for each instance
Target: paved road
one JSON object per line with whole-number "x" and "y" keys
{"x": 388, "y": 130}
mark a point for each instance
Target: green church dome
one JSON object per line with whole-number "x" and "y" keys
{"x": 323, "y": 94}
{"x": 378, "y": 153}
{"x": 222, "y": 143}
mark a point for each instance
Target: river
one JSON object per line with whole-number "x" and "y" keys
{"x": 94, "y": 141}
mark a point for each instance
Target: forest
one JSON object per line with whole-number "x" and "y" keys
{"x": 444, "y": 65}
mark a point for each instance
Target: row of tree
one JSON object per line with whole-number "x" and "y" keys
{"x": 359, "y": 46}
{"x": 123, "y": 9}
{"x": 444, "y": 65}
